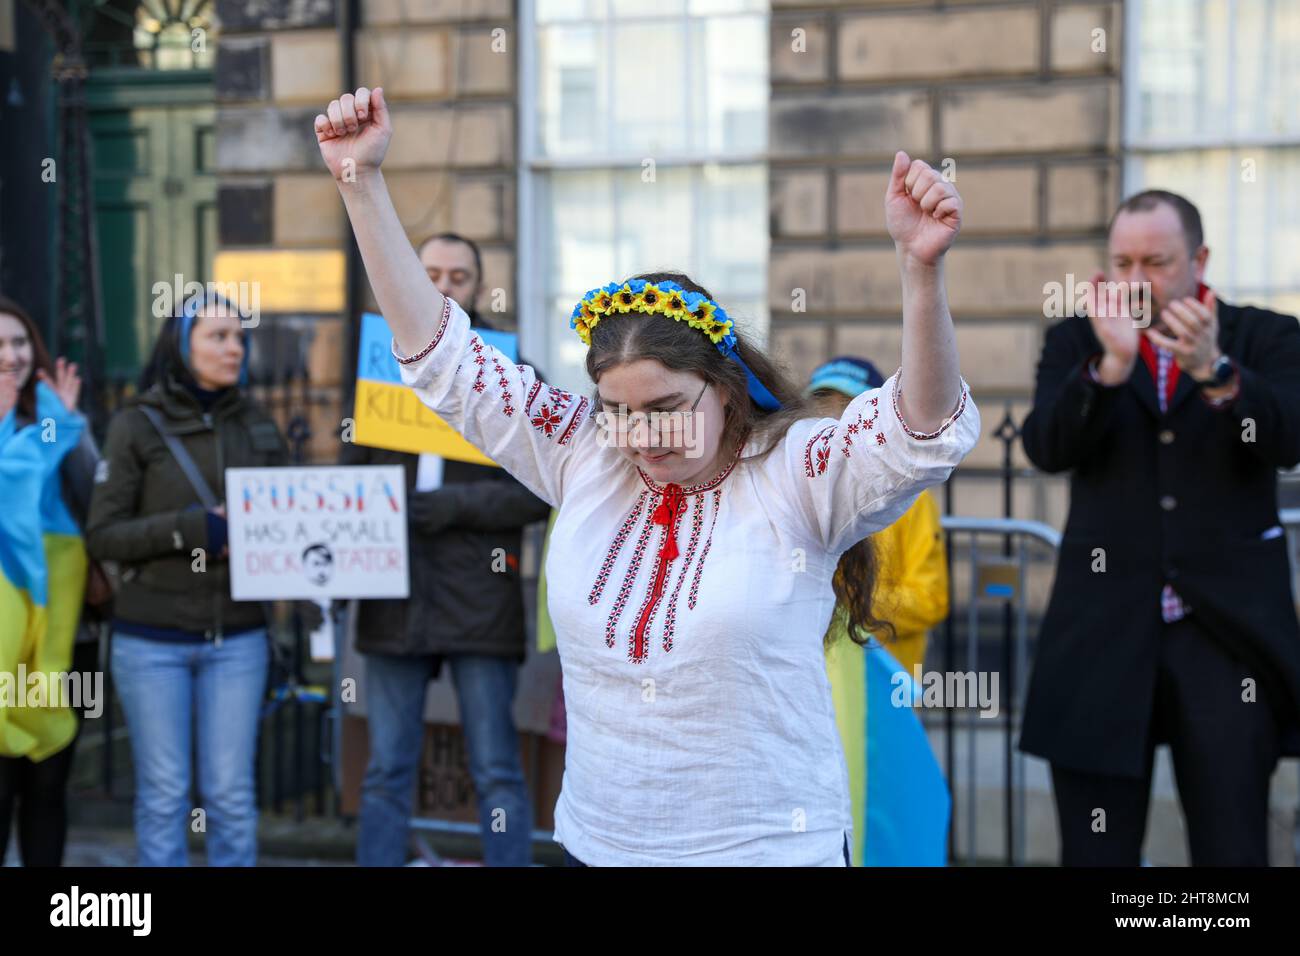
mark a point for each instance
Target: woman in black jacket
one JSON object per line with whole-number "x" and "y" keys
{"x": 189, "y": 663}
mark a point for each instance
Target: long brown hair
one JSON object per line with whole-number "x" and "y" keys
{"x": 678, "y": 347}
{"x": 40, "y": 356}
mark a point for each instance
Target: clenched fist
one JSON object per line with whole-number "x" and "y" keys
{"x": 922, "y": 210}
{"x": 353, "y": 133}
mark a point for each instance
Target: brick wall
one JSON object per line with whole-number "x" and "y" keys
{"x": 1013, "y": 94}
{"x": 451, "y": 164}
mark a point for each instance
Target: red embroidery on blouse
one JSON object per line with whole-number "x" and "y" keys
{"x": 611, "y": 554}
{"x": 667, "y": 513}
{"x": 823, "y": 454}
{"x": 547, "y": 421}
{"x": 557, "y": 399}
{"x": 923, "y": 436}
{"x": 476, "y": 344}
{"x": 670, "y": 616}
{"x": 638, "y": 552}
{"x": 862, "y": 425}
{"x": 548, "y": 417}
{"x": 442, "y": 327}
{"x": 508, "y": 408}
{"x": 699, "y": 568}
{"x": 850, "y": 430}
{"x": 708, "y": 485}
{"x": 669, "y": 508}
{"x": 575, "y": 421}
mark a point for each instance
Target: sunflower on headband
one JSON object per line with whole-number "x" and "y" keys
{"x": 663, "y": 298}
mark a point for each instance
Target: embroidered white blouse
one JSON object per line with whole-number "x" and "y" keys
{"x": 689, "y": 621}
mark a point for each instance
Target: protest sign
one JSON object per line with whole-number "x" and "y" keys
{"x": 389, "y": 415}
{"x": 333, "y": 531}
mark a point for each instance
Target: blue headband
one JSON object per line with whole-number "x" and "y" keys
{"x": 757, "y": 390}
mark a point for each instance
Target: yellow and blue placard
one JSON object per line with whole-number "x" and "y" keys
{"x": 390, "y": 415}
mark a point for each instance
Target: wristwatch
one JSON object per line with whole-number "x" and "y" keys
{"x": 1221, "y": 373}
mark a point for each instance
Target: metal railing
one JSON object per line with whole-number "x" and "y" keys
{"x": 995, "y": 607}
{"x": 997, "y": 584}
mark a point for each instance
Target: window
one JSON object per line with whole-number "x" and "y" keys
{"x": 1212, "y": 113}
{"x": 153, "y": 34}
{"x": 643, "y": 127}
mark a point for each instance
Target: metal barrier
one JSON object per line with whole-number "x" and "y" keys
{"x": 997, "y": 582}
{"x": 1290, "y": 518}
{"x": 998, "y": 576}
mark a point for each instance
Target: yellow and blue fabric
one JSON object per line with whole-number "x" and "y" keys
{"x": 42, "y": 575}
{"x": 671, "y": 300}
{"x": 900, "y": 799}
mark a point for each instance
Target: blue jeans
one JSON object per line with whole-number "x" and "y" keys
{"x": 485, "y": 688}
{"x": 177, "y": 697}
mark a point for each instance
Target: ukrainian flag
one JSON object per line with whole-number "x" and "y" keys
{"x": 901, "y": 806}
{"x": 42, "y": 575}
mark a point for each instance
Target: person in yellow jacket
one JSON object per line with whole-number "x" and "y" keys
{"x": 911, "y": 592}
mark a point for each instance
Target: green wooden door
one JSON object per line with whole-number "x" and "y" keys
{"x": 155, "y": 199}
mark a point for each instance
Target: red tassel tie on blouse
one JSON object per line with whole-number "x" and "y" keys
{"x": 669, "y": 506}
{"x": 672, "y": 503}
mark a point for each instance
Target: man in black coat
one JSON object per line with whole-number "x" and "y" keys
{"x": 466, "y": 608}
{"x": 1171, "y": 618}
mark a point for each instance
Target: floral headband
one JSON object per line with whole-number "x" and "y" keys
{"x": 671, "y": 300}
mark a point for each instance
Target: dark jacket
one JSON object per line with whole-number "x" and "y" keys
{"x": 1181, "y": 498}
{"x": 466, "y": 595}
{"x": 145, "y": 515}
{"x": 459, "y": 604}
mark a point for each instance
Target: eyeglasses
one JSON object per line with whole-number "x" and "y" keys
{"x": 661, "y": 421}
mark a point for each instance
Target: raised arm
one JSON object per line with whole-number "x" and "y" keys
{"x": 353, "y": 135}
{"x": 923, "y": 213}
{"x": 855, "y": 476}
{"x": 532, "y": 430}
